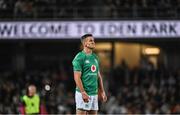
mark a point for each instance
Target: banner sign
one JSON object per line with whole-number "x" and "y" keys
{"x": 99, "y": 29}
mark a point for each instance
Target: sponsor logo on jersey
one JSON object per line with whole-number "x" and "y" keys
{"x": 92, "y": 74}
{"x": 93, "y": 68}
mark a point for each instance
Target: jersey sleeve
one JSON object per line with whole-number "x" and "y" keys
{"x": 77, "y": 63}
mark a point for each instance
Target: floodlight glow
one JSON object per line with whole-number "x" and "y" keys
{"x": 152, "y": 51}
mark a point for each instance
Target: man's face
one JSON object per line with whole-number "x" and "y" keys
{"x": 89, "y": 42}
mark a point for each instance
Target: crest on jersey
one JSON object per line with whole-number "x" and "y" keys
{"x": 93, "y": 68}
{"x": 87, "y": 61}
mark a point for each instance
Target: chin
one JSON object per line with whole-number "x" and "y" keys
{"x": 92, "y": 48}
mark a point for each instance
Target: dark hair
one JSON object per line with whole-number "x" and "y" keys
{"x": 85, "y": 36}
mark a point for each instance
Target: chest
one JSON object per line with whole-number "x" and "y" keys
{"x": 91, "y": 64}
{"x": 32, "y": 102}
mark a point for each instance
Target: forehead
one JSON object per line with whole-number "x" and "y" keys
{"x": 32, "y": 88}
{"x": 90, "y": 38}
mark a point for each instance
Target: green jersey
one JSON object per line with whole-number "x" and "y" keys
{"x": 88, "y": 65}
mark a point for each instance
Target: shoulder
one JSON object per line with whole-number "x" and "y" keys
{"x": 95, "y": 56}
{"x": 36, "y": 95}
{"x": 79, "y": 56}
{"x": 24, "y": 97}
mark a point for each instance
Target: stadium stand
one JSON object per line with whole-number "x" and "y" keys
{"x": 64, "y": 9}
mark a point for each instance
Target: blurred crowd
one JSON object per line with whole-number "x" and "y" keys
{"x": 144, "y": 89}
{"x": 70, "y": 9}
{"x": 54, "y": 86}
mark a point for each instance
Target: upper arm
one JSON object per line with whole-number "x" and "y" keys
{"x": 99, "y": 74}
{"x": 77, "y": 63}
{"x": 77, "y": 74}
{"x": 22, "y": 101}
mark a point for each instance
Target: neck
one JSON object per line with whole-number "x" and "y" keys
{"x": 87, "y": 50}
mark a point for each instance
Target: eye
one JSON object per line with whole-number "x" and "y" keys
{"x": 91, "y": 40}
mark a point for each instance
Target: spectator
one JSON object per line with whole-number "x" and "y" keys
{"x": 24, "y": 9}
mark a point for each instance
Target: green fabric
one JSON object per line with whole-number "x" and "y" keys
{"x": 88, "y": 65}
{"x": 31, "y": 104}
